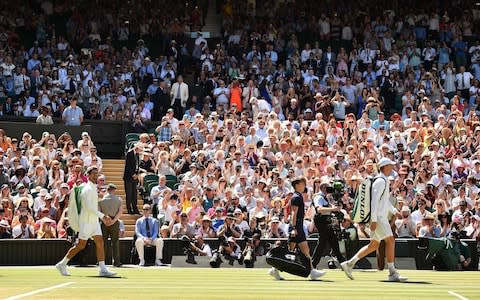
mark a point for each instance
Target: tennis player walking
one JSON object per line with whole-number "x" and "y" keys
{"x": 379, "y": 225}
{"x": 89, "y": 226}
{"x": 297, "y": 236}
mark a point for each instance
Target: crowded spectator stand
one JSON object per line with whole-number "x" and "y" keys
{"x": 289, "y": 90}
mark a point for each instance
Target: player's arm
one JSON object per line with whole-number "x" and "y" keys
{"x": 293, "y": 221}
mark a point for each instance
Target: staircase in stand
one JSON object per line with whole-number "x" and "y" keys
{"x": 213, "y": 21}
{"x": 113, "y": 170}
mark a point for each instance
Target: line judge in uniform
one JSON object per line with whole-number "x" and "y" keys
{"x": 111, "y": 205}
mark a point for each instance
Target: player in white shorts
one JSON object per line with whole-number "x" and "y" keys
{"x": 89, "y": 226}
{"x": 379, "y": 225}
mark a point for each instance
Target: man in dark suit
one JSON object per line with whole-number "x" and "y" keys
{"x": 8, "y": 107}
{"x": 161, "y": 101}
{"x": 329, "y": 59}
{"x": 130, "y": 178}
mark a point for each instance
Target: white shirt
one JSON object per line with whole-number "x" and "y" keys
{"x": 463, "y": 80}
{"x": 222, "y": 95}
{"x": 381, "y": 205}
{"x": 17, "y": 230}
{"x": 417, "y": 216}
{"x": 89, "y": 198}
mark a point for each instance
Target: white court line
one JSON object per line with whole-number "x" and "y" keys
{"x": 457, "y": 295}
{"x": 39, "y": 291}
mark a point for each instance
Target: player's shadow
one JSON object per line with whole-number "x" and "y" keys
{"x": 106, "y": 277}
{"x": 407, "y": 282}
{"x": 308, "y": 279}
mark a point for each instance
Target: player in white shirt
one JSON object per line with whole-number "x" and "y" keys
{"x": 379, "y": 224}
{"x": 89, "y": 225}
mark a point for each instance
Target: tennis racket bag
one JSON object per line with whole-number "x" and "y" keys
{"x": 284, "y": 260}
{"x": 363, "y": 199}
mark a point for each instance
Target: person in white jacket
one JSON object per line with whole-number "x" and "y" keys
{"x": 89, "y": 225}
{"x": 379, "y": 225}
{"x": 179, "y": 97}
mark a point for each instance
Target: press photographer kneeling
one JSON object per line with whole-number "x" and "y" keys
{"x": 327, "y": 220}
{"x": 229, "y": 249}
{"x": 348, "y": 241}
{"x": 196, "y": 247}
{"x": 252, "y": 250}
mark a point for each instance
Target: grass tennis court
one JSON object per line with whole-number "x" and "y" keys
{"x": 202, "y": 283}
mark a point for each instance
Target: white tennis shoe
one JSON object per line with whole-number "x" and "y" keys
{"x": 348, "y": 269}
{"x": 315, "y": 274}
{"x": 396, "y": 277}
{"x": 62, "y": 268}
{"x": 275, "y": 274}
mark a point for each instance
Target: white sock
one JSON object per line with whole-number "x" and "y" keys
{"x": 64, "y": 261}
{"x": 391, "y": 267}
{"x": 101, "y": 264}
{"x": 354, "y": 259}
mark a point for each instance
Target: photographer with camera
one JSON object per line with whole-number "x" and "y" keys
{"x": 200, "y": 247}
{"x": 253, "y": 249}
{"x": 195, "y": 247}
{"x": 229, "y": 249}
{"x": 349, "y": 243}
{"x": 323, "y": 222}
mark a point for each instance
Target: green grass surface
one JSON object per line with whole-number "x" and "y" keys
{"x": 197, "y": 283}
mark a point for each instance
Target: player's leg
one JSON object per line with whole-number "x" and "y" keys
{"x": 99, "y": 247}
{"x": 348, "y": 265}
{"x": 100, "y": 251}
{"x": 314, "y": 273}
{"x": 62, "y": 265}
{"x": 75, "y": 249}
{"x": 390, "y": 251}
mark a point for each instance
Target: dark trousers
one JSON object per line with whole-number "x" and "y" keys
{"x": 112, "y": 232}
{"x": 326, "y": 236}
{"x": 465, "y": 94}
{"x": 131, "y": 195}
{"x": 178, "y": 109}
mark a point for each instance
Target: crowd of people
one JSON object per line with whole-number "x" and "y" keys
{"x": 36, "y": 178}
{"x": 290, "y": 90}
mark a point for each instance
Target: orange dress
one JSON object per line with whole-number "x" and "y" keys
{"x": 236, "y": 98}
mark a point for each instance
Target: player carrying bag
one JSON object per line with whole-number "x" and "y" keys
{"x": 287, "y": 261}
{"x": 363, "y": 200}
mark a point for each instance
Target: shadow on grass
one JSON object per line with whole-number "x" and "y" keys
{"x": 109, "y": 277}
{"x": 308, "y": 279}
{"x": 407, "y": 282}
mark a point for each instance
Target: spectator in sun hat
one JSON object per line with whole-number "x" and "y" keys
{"x": 405, "y": 227}
{"x": 429, "y": 228}
{"x": 229, "y": 228}
{"x": 274, "y": 230}
{"x": 5, "y": 230}
{"x": 49, "y": 205}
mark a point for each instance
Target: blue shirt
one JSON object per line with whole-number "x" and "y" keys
{"x": 460, "y": 47}
{"x": 320, "y": 200}
{"x": 72, "y": 116}
{"x": 141, "y": 228}
{"x": 376, "y": 125}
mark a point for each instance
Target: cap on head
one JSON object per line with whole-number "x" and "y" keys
{"x": 91, "y": 169}
{"x": 385, "y": 162}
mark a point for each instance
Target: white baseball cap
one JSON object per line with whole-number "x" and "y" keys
{"x": 385, "y": 162}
